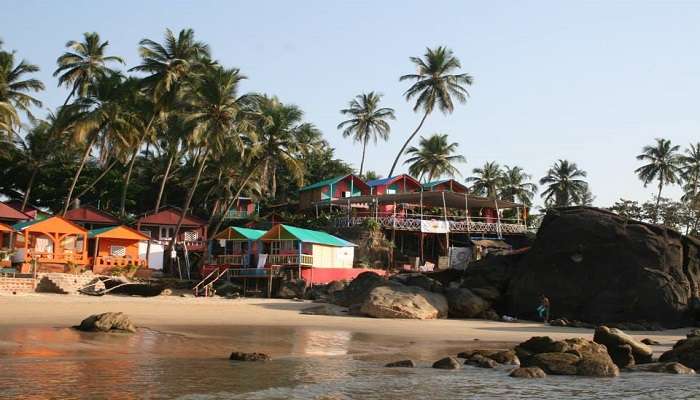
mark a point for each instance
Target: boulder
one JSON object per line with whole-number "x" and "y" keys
{"x": 528, "y": 372}
{"x": 334, "y": 286}
{"x": 228, "y": 289}
{"x": 488, "y": 293}
{"x": 593, "y": 264}
{"x": 242, "y": 356}
{"x": 447, "y": 363}
{"x": 613, "y": 338}
{"x": 398, "y": 301}
{"x": 105, "y": 322}
{"x": 621, "y": 355}
{"x": 499, "y": 356}
{"x": 663, "y": 367}
{"x": 463, "y": 303}
{"x": 420, "y": 280}
{"x": 357, "y": 291}
{"x": 293, "y": 289}
{"x": 650, "y": 342}
{"x": 555, "y": 363}
{"x": 481, "y": 361}
{"x": 401, "y": 364}
{"x": 575, "y": 356}
{"x": 686, "y": 352}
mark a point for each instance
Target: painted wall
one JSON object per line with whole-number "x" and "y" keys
{"x": 333, "y": 257}
{"x": 325, "y": 275}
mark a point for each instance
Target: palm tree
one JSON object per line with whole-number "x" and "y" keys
{"x": 34, "y": 152}
{"x": 83, "y": 64}
{"x": 434, "y": 158}
{"x": 487, "y": 179}
{"x": 367, "y": 121}
{"x": 434, "y": 86}
{"x": 663, "y": 165}
{"x": 564, "y": 186}
{"x": 690, "y": 169}
{"x": 515, "y": 186}
{"x": 14, "y": 89}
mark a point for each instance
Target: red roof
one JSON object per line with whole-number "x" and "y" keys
{"x": 91, "y": 215}
{"x": 170, "y": 216}
{"x": 9, "y": 213}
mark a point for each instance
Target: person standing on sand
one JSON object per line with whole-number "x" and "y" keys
{"x": 543, "y": 309}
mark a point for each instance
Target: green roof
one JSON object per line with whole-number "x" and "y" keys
{"x": 21, "y": 225}
{"x": 250, "y": 234}
{"x": 309, "y": 236}
{"x": 323, "y": 183}
{"x": 94, "y": 232}
{"x": 434, "y": 183}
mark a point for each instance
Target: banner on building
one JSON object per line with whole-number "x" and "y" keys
{"x": 434, "y": 226}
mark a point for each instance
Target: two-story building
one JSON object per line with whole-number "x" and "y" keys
{"x": 332, "y": 189}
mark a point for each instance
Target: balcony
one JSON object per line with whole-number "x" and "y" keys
{"x": 239, "y": 214}
{"x": 232, "y": 259}
{"x": 56, "y": 258}
{"x": 289, "y": 259}
{"x": 476, "y": 225}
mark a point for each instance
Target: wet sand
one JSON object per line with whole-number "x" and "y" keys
{"x": 218, "y": 317}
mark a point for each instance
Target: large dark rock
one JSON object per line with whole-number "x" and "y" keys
{"x": 447, "y": 363}
{"x": 358, "y": 290}
{"x": 622, "y": 355}
{"x": 242, "y": 356}
{"x": 106, "y": 322}
{"x": 294, "y": 289}
{"x": 394, "y": 300}
{"x": 575, "y": 356}
{"x": 420, "y": 280}
{"x": 593, "y": 265}
{"x": 664, "y": 367}
{"x": 528, "y": 372}
{"x": 463, "y": 303}
{"x": 614, "y": 339}
{"x": 686, "y": 352}
{"x": 401, "y": 364}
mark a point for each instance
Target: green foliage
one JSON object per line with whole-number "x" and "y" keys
{"x": 564, "y": 185}
{"x": 434, "y": 157}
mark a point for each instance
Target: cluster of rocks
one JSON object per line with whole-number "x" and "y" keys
{"x": 107, "y": 322}
{"x": 243, "y": 356}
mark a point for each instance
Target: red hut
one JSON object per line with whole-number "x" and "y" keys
{"x": 398, "y": 184}
{"x": 10, "y": 216}
{"x": 332, "y": 189}
{"x": 244, "y": 208}
{"x": 90, "y": 217}
{"x": 31, "y": 211}
{"x": 161, "y": 227}
{"x": 445, "y": 185}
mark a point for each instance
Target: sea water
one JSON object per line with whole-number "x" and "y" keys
{"x": 61, "y": 363}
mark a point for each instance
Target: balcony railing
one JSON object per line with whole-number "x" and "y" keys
{"x": 239, "y": 214}
{"x": 290, "y": 259}
{"x": 233, "y": 259}
{"x": 456, "y": 224}
{"x": 58, "y": 258}
{"x": 111, "y": 261}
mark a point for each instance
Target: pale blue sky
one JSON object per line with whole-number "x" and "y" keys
{"x": 588, "y": 81}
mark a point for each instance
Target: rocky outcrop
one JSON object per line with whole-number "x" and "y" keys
{"x": 620, "y": 344}
{"x": 593, "y": 264}
{"x": 528, "y": 372}
{"x": 685, "y": 351}
{"x": 500, "y": 356}
{"x": 575, "y": 356}
{"x": 242, "y": 356}
{"x": 293, "y": 289}
{"x": 106, "y": 322}
{"x": 447, "y": 363}
{"x": 650, "y": 342}
{"x": 358, "y": 290}
{"x": 480, "y": 361}
{"x": 663, "y": 367}
{"x": 420, "y": 280}
{"x": 463, "y": 303}
{"x": 401, "y": 364}
{"x": 398, "y": 301}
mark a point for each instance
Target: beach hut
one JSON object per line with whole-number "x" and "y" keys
{"x": 54, "y": 243}
{"x": 5, "y": 245}
{"x": 398, "y": 184}
{"x": 161, "y": 228}
{"x": 244, "y": 208}
{"x": 10, "y": 216}
{"x": 332, "y": 189}
{"x": 447, "y": 185}
{"x": 90, "y": 217}
{"x": 316, "y": 256}
{"x": 115, "y": 247}
{"x": 236, "y": 247}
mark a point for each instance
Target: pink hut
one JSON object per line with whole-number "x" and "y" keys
{"x": 332, "y": 189}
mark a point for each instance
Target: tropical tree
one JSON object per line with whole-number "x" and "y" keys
{"x": 486, "y": 180}
{"x": 516, "y": 186}
{"x": 564, "y": 184}
{"x": 434, "y": 157}
{"x": 34, "y": 152}
{"x": 663, "y": 165}
{"x": 690, "y": 170}
{"x": 368, "y": 121}
{"x": 83, "y": 64}
{"x": 15, "y": 86}
{"x": 435, "y": 86}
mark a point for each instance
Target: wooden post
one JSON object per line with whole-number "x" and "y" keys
{"x": 269, "y": 284}
{"x": 498, "y": 220}
{"x": 447, "y": 234}
{"x": 466, "y": 212}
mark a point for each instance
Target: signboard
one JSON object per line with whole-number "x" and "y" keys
{"x": 434, "y": 226}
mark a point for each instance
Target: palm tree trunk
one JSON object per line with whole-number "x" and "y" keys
{"x": 188, "y": 200}
{"x": 72, "y": 92}
{"x": 98, "y": 179}
{"x": 122, "y": 206}
{"x": 274, "y": 181}
{"x": 77, "y": 174}
{"x": 29, "y": 189}
{"x": 398, "y": 156}
{"x": 364, "y": 149}
{"x": 658, "y": 201}
{"x": 160, "y": 196}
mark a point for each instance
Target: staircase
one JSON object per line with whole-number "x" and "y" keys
{"x": 54, "y": 282}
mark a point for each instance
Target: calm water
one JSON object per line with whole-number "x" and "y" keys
{"x": 39, "y": 363}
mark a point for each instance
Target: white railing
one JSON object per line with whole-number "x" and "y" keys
{"x": 290, "y": 259}
{"x": 462, "y": 225}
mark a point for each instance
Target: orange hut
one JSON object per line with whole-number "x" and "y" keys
{"x": 115, "y": 247}
{"x": 54, "y": 243}
{"x": 5, "y": 245}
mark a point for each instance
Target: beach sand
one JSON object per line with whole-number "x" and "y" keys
{"x": 219, "y": 316}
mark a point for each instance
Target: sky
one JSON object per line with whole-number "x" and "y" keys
{"x": 588, "y": 81}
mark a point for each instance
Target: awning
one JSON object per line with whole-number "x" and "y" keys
{"x": 429, "y": 199}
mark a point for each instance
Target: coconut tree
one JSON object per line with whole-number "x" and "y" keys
{"x": 83, "y": 64}
{"x": 15, "y": 86}
{"x": 564, "y": 184}
{"x": 435, "y": 86}
{"x": 367, "y": 122}
{"x": 487, "y": 179}
{"x": 662, "y": 164}
{"x": 516, "y": 185}
{"x": 434, "y": 157}
{"x": 690, "y": 169}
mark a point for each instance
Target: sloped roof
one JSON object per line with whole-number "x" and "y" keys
{"x": 7, "y": 212}
{"x": 53, "y": 224}
{"x": 117, "y": 232}
{"x": 90, "y": 214}
{"x": 5, "y": 228}
{"x": 332, "y": 181}
{"x": 170, "y": 216}
{"x": 388, "y": 181}
{"x": 282, "y": 231}
{"x": 430, "y": 185}
{"x": 239, "y": 233}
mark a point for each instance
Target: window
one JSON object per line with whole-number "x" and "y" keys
{"x": 117, "y": 251}
{"x": 191, "y": 236}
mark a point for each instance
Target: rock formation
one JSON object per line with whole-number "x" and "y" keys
{"x": 575, "y": 356}
{"x": 106, "y": 322}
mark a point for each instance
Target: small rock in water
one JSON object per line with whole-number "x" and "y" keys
{"x": 481, "y": 361}
{"x": 447, "y": 363}
{"x": 401, "y": 364}
{"x": 650, "y": 342}
{"x": 664, "y": 367}
{"x": 241, "y": 356}
{"x": 105, "y": 322}
{"x": 528, "y": 372}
